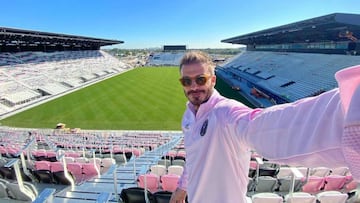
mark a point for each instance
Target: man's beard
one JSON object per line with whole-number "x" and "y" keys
{"x": 197, "y": 100}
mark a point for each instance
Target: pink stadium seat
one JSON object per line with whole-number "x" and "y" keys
{"x": 181, "y": 153}
{"x": 171, "y": 153}
{"x": 3, "y": 150}
{"x": 76, "y": 170}
{"x": 90, "y": 169}
{"x": 39, "y": 154}
{"x": 42, "y": 165}
{"x": 334, "y": 182}
{"x": 253, "y": 165}
{"x": 136, "y": 152}
{"x": 13, "y": 151}
{"x": 56, "y": 166}
{"x": 51, "y": 155}
{"x": 152, "y": 182}
{"x": 169, "y": 182}
{"x": 350, "y": 185}
{"x": 314, "y": 184}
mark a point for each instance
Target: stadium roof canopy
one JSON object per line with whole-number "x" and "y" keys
{"x": 10, "y": 37}
{"x": 332, "y": 27}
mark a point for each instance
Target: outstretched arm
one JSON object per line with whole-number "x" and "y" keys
{"x": 311, "y": 131}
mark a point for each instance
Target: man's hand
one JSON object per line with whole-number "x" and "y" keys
{"x": 178, "y": 196}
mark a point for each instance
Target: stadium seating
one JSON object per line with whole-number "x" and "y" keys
{"x": 24, "y": 82}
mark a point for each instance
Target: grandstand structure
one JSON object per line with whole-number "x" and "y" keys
{"x": 170, "y": 56}
{"x": 38, "y": 66}
{"x": 293, "y": 61}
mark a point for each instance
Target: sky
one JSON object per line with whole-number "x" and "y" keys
{"x": 141, "y": 24}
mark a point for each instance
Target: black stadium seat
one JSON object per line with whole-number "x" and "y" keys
{"x": 135, "y": 195}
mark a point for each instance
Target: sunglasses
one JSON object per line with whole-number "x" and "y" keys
{"x": 199, "y": 80}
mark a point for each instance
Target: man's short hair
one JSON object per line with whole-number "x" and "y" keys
{"x": 193, "y": 57}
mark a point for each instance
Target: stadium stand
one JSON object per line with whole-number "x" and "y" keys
{"x": 290, "y": 62}
{"x": 165, "y": 59}
{"x": 37, "y": 66}
{"x": 43, "y": 76}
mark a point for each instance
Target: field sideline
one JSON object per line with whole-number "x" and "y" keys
{"x": 140, "y": 99}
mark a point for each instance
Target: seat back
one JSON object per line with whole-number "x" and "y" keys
{"x": 23, "y": 194}
{"x": 98, "y": 161}
{"x": 178, "y": 170}
{"x": 56, "y": 166}
{"x": 313, "y": 185}
{"x": 343, "y": 171}
{"x": 334, "y": 182}
{"x": 162, "y": 196}
{"x": 332, "y": 197}
{"x": 266, "y": 198}
{"x": 42, "y": 165}
{"x": 135, "y": 195}
{"x": 81, "y": 160}
{"x": 320, "y": 171}
{"x": 158, "y": 169}
{"x": 164, "y": 162}
{"x": 300, "y": 197}
{"x": 90, "y": 169}
{"x": 69, "y": 159}
{"x": 286, "y": 182}
{"x": 74, "y": 168}
{"x": 178, "y": 162}
{"x": 3, "y": 190}
{"x": 152, "y": 182}
{"x": 169, "y": 182}
{"x": 107, "y": 162}
{"x": 266, "y": 184}
{"x": 284, "y": 172}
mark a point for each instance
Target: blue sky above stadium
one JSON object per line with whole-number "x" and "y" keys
{"x": 153, "y": 23}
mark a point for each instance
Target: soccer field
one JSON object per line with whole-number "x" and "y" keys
{"x": 140, "y": 99}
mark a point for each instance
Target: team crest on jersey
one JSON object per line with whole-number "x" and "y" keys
{"x": 204, "y": 128}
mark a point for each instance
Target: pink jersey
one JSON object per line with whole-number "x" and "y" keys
{"x": 316, "y": 131}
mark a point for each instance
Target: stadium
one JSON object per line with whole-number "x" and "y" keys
{"x": 43, "y": 160}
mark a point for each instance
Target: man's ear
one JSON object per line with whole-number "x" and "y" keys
{"x": 213, "y": 79}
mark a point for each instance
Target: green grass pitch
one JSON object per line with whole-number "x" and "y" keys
{"x": 140, "y": 99}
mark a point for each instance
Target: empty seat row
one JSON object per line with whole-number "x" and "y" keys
{"x": 301, "y": 197}
{"x": 313, "y": 185}
{"x": 154, "y": 183}
{"x": 161, "y": 170}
